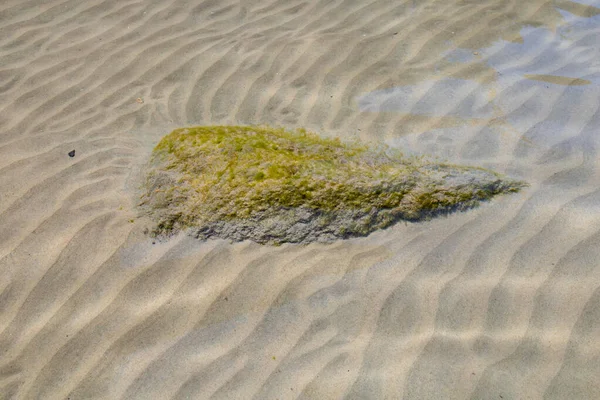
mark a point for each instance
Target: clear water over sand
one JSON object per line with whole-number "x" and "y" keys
{"x": 499, "y": 302}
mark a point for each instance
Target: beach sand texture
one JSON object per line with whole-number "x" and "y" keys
{"x": 500, "y": 302}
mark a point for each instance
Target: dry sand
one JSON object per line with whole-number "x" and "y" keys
{"x": 499, "y": 302}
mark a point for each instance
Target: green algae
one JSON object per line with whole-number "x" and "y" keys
{"x": 272, "y": 185}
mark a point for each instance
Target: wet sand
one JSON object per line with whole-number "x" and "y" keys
{"x": 502, "y": 301}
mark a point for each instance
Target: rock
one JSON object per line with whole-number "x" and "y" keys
{"x": 275, "y": 186}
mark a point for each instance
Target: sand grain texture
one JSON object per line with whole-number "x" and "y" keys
{"x": 498, "y": 302}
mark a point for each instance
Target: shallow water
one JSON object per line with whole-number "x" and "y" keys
{"x": 497, "y": 302}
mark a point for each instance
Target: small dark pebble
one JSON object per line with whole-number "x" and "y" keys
{"x": 72, "y": 153}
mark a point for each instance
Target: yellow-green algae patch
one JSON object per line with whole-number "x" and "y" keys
{"x": 272, "y": 185}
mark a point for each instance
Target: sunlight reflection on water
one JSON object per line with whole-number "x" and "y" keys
{"x": 545, "y": 85}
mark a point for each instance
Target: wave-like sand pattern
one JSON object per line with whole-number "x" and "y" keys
{"x": 498, "y": 302}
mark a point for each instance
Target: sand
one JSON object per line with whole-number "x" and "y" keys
{"x": 498, "y": 302}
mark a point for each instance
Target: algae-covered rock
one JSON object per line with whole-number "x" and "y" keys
{"x": 274, "y": 186}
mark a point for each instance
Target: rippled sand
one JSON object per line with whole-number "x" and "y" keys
{"x": 499, "y": 302}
